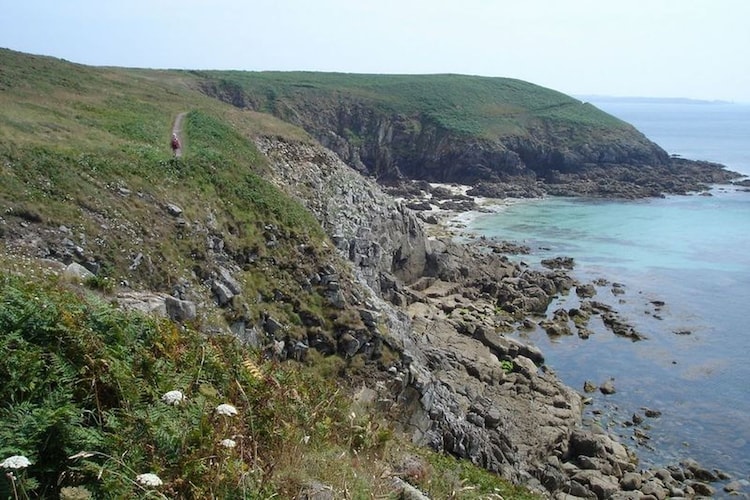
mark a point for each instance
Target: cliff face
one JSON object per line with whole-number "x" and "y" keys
{"x": 414, "y": 147}
{"x": 450, "y": 390}
{"x": 536, "y": 140}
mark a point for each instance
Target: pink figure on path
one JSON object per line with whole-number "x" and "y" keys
{"x": 175, "y": 144}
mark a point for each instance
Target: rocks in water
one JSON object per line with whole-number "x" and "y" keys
{"x": 585, "y": 291}
{"x": 589, "y": 387}
{"x": 619, "y": 327}
{"x": 608, "y": 387}
{"x": 652, "y": 413}
{"x": 559, "y": 263}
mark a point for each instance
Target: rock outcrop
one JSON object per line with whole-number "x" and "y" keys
{"x": 549, "y": 143}
{"x": 461, "y": 385}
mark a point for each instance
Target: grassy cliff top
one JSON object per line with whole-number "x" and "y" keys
{"x": 474, "y": 105}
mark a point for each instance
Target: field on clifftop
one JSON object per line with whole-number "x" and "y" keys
{"x": 88, "y": 178}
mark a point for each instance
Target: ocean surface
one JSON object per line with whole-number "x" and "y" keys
{"x": 683, "y": 263}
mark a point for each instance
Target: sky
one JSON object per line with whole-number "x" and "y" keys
{"x": 696, "y": 49}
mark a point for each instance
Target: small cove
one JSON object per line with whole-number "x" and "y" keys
{"x": 685, "y": 294}
{"x": 684, "y": 266}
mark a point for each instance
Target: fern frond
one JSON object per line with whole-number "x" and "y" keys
{"x": 253, "y": 369}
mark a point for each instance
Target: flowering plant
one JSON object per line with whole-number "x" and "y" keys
{"x": 228, "y": 443}
{"x": 149, "y": 479}
{"x": 15, "y": 462}
{"x": 226, "y": 409}
{"x": 173, "y": 398}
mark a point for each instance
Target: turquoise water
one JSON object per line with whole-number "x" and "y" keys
{"x": 690, "y": 252}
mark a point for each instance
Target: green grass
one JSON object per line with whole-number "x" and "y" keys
{"x": 88, "y": 149}
{"x": 470, "y": 105}
{"x": 82, "y": 392}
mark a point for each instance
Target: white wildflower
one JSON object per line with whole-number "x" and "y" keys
{"x": 173, "y": 398}
{"x": 15, "y": 462}
{"x": 228, "y": 443}
{"x": 148, "y": 479}
{"x": 226, "y": 409}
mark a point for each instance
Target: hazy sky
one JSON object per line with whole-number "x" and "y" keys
{"x": 659, "y": 48}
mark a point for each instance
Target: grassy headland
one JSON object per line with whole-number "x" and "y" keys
{"x": 87, "y": 176}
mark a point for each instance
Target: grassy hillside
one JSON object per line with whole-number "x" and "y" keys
{"x": 472, "y": 105}
{"x": 87, "y": 176}
{"x": 441, "y": 128}
{"x": 88, "y": 149}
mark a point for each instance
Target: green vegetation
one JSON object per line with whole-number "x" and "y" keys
{"x": 84, "y": 157}
{"x": 87, "y": 398}
{"x": 470, "y": 105}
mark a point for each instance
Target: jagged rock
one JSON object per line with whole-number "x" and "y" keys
{"x": 454, "y": 393}
{"x": 652, "y": 413}
{"x": 406, "y": 491}
{"x": 228, "y": 280}
{"x": 631, "y": 481}
{"x": 698, "y": 472}
{"x": 146, "y": 302}
{"x": 174, "y": 210}
{"x": 703, "y": 489}
{"x": 349, "y": 344}
{"x": 585, "y": 291}
{"x": 273, "y": 327}
{"x": 608, "y": 387}
{"x": 179, "y": 310}
{"x": 222, "y": 293}
{"x": 77, "y": 271}
{"x": 559, "y": 263}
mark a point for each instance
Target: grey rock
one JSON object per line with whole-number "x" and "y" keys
{"x": 405, "y": 491}
{"x": 703, "y": 489}
{"x": 608, "y": 387}
{"x": 222, "y": 293}
{"x": 229, "y": 281}
{"x": 174, "y": 210}
{"x": 77, "y": 271}
{"x": 273, "y": 327}
{"x": 631, "y": 481}
{"x": 652, "y": 413}
{"x": 655, "y": 488}
{"x": 585, "y": 291}
{"x": 179, "y": 310}
{"x": 733, "y": 487}
{"x": 145, "y": 302}
{"x": 700, "y": 473}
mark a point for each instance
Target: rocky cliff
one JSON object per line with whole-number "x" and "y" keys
{"x": 513, "y": 136}
{"x": 460, "y": 385}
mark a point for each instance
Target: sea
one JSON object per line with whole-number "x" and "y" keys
{"x": 678, "y": 270}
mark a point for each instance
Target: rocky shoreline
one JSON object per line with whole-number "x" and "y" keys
{"x": 453, "y": 222}
{"x": 463, "y": 385}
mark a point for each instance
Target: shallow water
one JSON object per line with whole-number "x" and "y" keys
{"x": 690, "y": 252}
